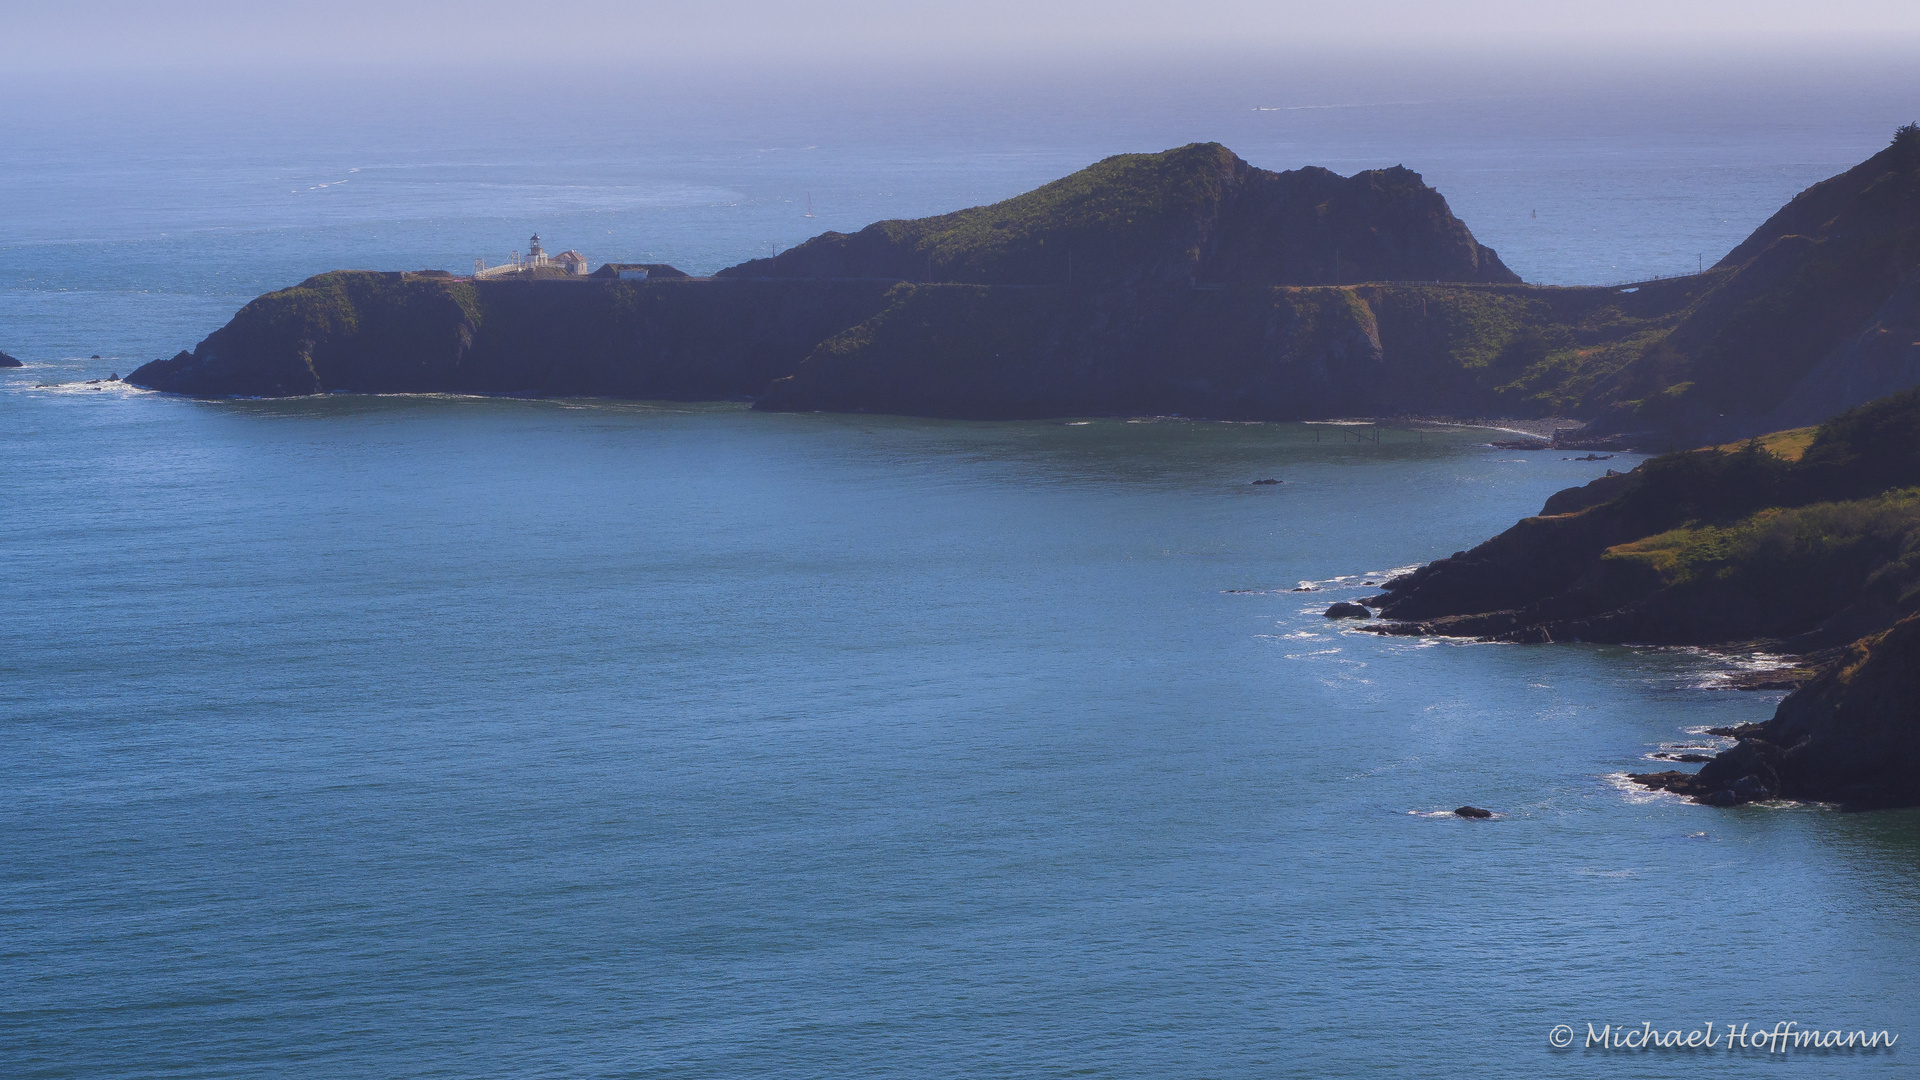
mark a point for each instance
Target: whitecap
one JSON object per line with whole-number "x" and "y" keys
{"x": 1638, "y": 793}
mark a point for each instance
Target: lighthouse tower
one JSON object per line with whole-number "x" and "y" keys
{"x": 534, "y": 255}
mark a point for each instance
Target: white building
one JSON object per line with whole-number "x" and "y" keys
{"x": 569, "y": 262}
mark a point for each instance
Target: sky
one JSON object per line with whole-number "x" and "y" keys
{"x": 531, "y": 38}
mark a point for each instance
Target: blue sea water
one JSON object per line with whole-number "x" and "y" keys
{"x": 440, "y": 737}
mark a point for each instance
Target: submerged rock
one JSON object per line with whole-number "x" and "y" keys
{"x": 1472, "y": 812}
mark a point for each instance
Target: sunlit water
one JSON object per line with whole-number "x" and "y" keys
{"x": 410, "y": 737}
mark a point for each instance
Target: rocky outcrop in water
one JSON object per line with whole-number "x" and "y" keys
{"x": 1811, "y": 538}
{"x": 1851, "y": 736}
{"x": 8, "y": 361}
{"x": 1807, "y": 541}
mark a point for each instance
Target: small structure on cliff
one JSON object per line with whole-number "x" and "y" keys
{"x": 535, "y": 263}
{"x": 638, "y": 271}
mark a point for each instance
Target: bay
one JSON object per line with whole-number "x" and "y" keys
{"x": 461, "y": 737}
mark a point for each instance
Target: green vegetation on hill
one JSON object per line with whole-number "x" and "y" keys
{"x": 1821, "y": 542}
{"x": 1133, "y": 210}
{"x": 1118, "y": 212}
{"x": 1194, "y": 213}
{"x": 1787, "y": 569}
{"x": 1792, "y": 296}
{"x": 1671, "y": 363}
{"x": 366, "y": 332}
{"x": 1537, "y": 351}
{"x": 1180, "y": 282}
{"x": 1789, "y": 445}
{"x": 1809, "y": 538}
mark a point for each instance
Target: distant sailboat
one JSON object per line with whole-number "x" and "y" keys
{"x": 809, "y": 204}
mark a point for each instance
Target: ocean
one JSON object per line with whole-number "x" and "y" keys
{"x": 444, "y": 737}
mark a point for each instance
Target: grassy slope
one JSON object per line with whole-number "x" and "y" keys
{"x": 1533, "y": 350}
{"x": 1669, "y": 356}
{"x": 1776, "y": 537}
{"x": 1804, "y": 282}
{"x": 1129, "y": 333}
{"x": 1247, "y": 352}
{"x": 1196, "y": 212}
{"x": 361, "y": 331}
{"x": 1131, "y": 210}
{"x": 1789, "y": 445}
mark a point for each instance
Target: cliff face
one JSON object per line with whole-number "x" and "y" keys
{"x": 1233, "y": 352}
{"x": 1851, "y": 736}
{"x": 1808, "y": 313}
{"x": 1181, "y": 282}
{"x": 1810, "y": 538}
{"x": 1146, "y": 283}
{"x": 1882, "y": 358}
{"x": 363, "y": 332}
{"x": 1077, "y": 297}
{"x": 1815, "y": 540}
{"x": 966, "y": 351}
{"x": 1806, "y": 316}
{"x": 1194, "y": 214}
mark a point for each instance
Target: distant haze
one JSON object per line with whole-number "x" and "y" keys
{"x": 542, "y": 41}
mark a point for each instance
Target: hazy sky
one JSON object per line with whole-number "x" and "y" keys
{"x": 78, "y": 35}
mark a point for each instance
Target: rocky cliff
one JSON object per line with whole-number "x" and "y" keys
{"x": 1812, "y": 313}
{"x": 1807, "y": 540}
{"x": 366, "y": 332}
{"x": 1147, "y": 282}
{"x": 1811, "y": 538}
{"x": 1851, "y": 736}
{"x": 1234, "y": 352}
{"x": 1181, "y": 282}
{"x": 1194, "y": 214}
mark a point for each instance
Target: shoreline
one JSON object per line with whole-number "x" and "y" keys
{"x": 1543, "y": 429}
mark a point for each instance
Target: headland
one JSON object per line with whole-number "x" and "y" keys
{"x": 1185, "y": 282}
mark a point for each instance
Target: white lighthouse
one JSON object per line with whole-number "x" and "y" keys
{"x": 568, "y": 263}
